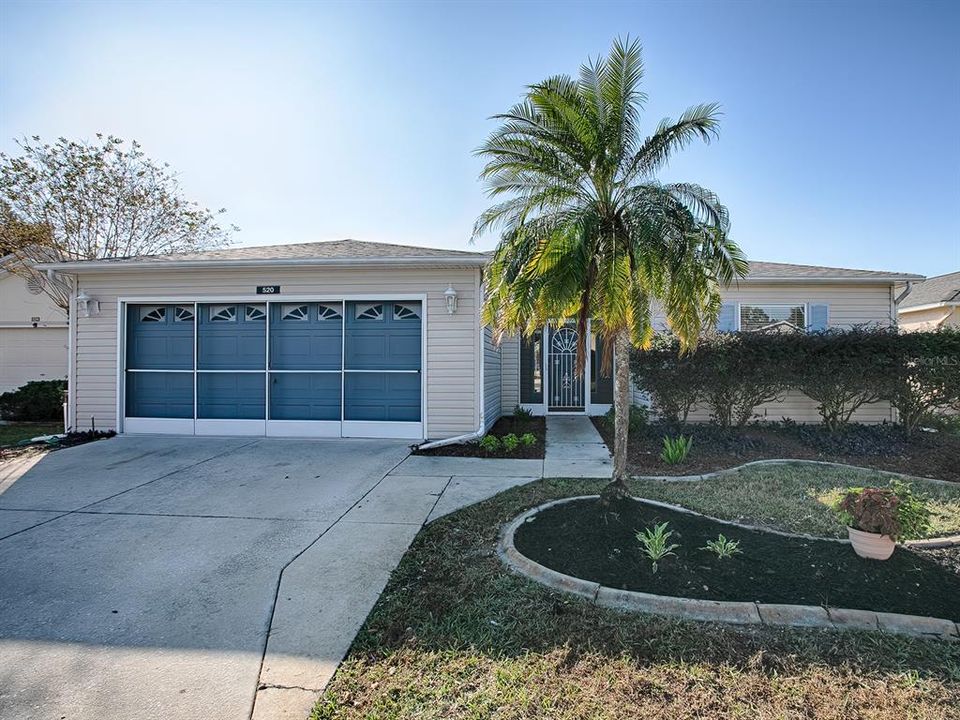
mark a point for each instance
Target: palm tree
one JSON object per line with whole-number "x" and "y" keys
{"x": 586, "y": 229}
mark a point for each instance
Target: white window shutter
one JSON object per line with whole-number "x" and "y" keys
{"x": 819, "y": 317}
{"x": 727, "y": 320}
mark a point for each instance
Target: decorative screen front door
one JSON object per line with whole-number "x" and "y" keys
{"x": 565, "y": 386}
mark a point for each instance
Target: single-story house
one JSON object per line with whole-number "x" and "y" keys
{"x": 932, "y": 304}
{"x": 33, "y": 332}
{"x": 360, "y": 339}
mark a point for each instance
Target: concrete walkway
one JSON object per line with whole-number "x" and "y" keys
{"x": 575, "y": 449}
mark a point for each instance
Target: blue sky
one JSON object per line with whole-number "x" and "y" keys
{"x": 313, "y": 121}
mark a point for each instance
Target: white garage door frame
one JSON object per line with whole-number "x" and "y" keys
{"x": 267, "y": 427}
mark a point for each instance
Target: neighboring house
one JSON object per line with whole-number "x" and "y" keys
{"x": 358, "y": 339}
{"x": 33, "y": 332}
{"x": 932, "y": 304}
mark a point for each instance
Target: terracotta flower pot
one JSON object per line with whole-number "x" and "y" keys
{"x": 871, "y": 545}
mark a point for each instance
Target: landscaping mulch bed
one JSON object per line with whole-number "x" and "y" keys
{"x": 456, "y": 636}
{"x": 503, "y": 426}
{"x": 588, "y": 540}
{"x": 71, "y": 439}
{"x": 882, "y": 447}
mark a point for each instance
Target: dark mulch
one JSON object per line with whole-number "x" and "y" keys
{"x": 503, "y": 426}
{"x": 71, "y": 439}
{"x": 584, "y": 539}
{"x": 883, "y": 447}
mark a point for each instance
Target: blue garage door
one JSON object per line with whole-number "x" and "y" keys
{"x": 382, "y": 361}
{"x": 159, "y": 368}
{"x": 306, "y": 354}
{"x": 225, "y": 367}
{"x": 231, "y": 361}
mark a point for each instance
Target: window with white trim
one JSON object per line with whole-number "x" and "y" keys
{"x": 223, "y": 313}
{"x": 153, "y": 313}
{"x": 183, "y": 313}
{"x": 369, "y": 311}
{"x": 328, "y": 312}
{"x": 772, "y": 317}
{"x": 255, "y": 312}
{"x": 404, "y": 311}
{"x": 294, "y": 312}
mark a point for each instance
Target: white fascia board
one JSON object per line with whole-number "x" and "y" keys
{"x": 928, "y": 306}
{"x": 114, "y": 266}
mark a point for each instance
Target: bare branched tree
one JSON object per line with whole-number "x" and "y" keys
{"x": 90, "y": 201}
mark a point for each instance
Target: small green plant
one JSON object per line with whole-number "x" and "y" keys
{"x": 654, "y": 541}
{"x": 522, "y": 414}
{"x": 722, "y": 547}
{"x": 675, "y": 450}
{"x": 490, "y": 443}
{"x": 528, "y": 439}
{"x": 510, "y": 442}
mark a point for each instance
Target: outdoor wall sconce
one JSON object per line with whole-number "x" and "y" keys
{"x": 450, "y": 295}
{"x": 87, "y": 305}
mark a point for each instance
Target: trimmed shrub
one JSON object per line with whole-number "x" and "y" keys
{"x": 669, "y": 377}
{"x": 924, "y": 375}
{"x": 37, "y": 401}
{"x": 741, "y": 371}
{"x": 841, "y": 370}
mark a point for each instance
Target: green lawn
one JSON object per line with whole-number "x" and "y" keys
{"x": 456, "y": 637}
{"x": 12, "y": 434}
{"x": 796, "y": 498}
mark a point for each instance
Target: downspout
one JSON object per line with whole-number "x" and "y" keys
{"x": 898, "y": 299}
{"x": 481, "y": 394}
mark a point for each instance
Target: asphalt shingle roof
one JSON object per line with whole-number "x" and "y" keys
{"x": 331, "y": 249}
{"x": 787, "y": 270}
{"x": 937, "y": 289}
{"x": 357, "y": 251}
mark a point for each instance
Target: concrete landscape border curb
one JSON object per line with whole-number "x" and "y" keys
{"x": 741, "y": 613}
{"x": 928, "y": 543}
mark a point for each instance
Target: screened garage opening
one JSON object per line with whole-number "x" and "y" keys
{"x": 285, "y": 368}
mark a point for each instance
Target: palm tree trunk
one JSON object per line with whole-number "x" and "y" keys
{"x": 621, "y": 406}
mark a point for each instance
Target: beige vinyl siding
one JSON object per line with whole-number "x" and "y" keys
{"x": 929, "y": 319}
{"x": 451, "y": 340}
{"x": 492, "y": 362}
{"x": 849, "y": 305}
{"x": 510, "y": 373}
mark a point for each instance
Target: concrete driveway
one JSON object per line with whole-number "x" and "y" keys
{"x": 173, "y": 577}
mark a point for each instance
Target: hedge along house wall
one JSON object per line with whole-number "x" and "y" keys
{"x": 847, "y": 305}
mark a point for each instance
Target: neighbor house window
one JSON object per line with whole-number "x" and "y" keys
{"x": 772, "y": 317}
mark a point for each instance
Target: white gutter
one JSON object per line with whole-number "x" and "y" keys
{"x": 114, "y": 265}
